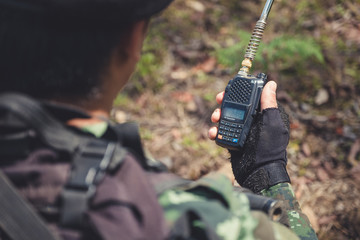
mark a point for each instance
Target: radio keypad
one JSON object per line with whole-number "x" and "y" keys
{"x": 229, "y": 131}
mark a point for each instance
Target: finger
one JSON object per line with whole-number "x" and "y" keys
{"x": 268, "y": 96}
{"x": 215, "y": 117}
{"x": 212, "y": 133}
{"x": 220, "y": 97}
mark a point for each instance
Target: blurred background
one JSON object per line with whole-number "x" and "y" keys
{"x": 310, "y": 48}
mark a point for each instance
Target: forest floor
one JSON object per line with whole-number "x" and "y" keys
{"x": 172, "y": 95}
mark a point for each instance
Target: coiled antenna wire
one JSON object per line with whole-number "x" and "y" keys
{"x": 256, "y": 37}
{"x": 255, "y": 40}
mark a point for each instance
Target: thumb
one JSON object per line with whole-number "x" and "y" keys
{"x": 268, "y": 96}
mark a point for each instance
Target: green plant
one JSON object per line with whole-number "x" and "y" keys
{"x": 121, "y": 100}
{"x": 281, "y": 53}
{"x": 232, "y": 56}
{"x": 147, "y": 74}
{"x": 290, "y": 51}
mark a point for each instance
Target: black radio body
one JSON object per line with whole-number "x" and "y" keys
{"x": 241, "y": 102}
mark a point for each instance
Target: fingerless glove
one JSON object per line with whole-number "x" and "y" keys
{"x": 261, "y": 163}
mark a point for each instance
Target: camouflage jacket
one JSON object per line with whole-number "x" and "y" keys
{"x": 227, "y": 212}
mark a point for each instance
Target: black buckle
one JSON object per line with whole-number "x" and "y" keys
{"x": 89, "y": 167}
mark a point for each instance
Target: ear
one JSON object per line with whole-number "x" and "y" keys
{"x": 136, "y": 39}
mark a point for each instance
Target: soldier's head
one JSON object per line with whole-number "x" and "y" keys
{"x": 65, "y": 48}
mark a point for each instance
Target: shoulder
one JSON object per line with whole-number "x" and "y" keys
{"x": 125, "y": 203}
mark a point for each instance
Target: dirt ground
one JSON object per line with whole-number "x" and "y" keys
{"x": 173, "y": 95}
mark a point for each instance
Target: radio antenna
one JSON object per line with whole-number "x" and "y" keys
{"x": 255, "y": 39}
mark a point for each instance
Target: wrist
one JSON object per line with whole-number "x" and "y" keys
{"x": 266, "y": 176}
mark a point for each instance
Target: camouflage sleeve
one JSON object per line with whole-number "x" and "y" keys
{"x": 298, "y": 221}
{"x": 213, "y": 204}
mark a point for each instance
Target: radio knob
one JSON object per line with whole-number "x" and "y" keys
{"x": 261, "y": 75}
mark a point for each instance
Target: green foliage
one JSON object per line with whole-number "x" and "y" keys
{"x": 147, "y": 74}
{"x": 281, "y": 53}
{"x": 147, "y": 64}
{"x": 209, "y": 97}
{"x": 233, "y": 55}
{"x": 293, "y": 51}
{"x": 121, "y": 100}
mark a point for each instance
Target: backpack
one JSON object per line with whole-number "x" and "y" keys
{"x": 24, "y": 122}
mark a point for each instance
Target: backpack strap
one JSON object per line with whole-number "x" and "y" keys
{"x": 31, "y": 113}
{"x": 91, "y": 157}
{"x": 129, "y": 137}
{"x": 17, "y": 218}
{"x": 90, "y": 163}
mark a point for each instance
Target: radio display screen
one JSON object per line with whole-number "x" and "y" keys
{"x": 233, "y": 113}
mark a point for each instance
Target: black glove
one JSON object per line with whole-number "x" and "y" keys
{"x": 261, "y": 163}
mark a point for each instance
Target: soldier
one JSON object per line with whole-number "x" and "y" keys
{"x": 74, "y": 57}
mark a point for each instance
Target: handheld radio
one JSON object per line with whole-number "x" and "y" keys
{"x": 242, "y": 94}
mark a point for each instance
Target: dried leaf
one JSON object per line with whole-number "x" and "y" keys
{"x": 179, "y": 75}
{"x": 183, "y": 96}
{"x": 321, "y": 97}
{"x": 327, "y": 220}
{"x": 207, "y": 66}
{"x": 305, "y": 148}
{"x": 312, "y": 217}
{"x": 196, "y": 5}
{"x": 322, "y": 174}
{"x": 355, "y": 149}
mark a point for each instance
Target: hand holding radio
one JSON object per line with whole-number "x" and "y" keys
{"x": 267, "y": 100}
{"x": 261, "y": 162}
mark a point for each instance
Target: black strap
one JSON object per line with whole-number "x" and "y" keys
{"x": 51, "y": 131}
{"x": 89, "y": 166}
{"x": 267, "y": 176}
{"x": 15, "y": 143}
{"x": 17, "y": 218}
{"x": 128, "y": 135}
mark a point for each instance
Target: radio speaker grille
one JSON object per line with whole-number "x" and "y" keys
{"x": 240, "y": 91}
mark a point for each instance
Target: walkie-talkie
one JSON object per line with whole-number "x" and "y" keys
{"x": 242, "y": 94}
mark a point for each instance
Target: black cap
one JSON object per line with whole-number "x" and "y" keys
{"x": 117, "y": 10}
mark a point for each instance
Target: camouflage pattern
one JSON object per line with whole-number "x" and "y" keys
{"x": 224, "y": 210}
{"x": 298, "y": 222}
{"x": 212, "y": 198}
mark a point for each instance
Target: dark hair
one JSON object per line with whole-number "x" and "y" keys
{"x": 46, "y": 57}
